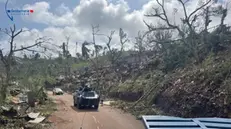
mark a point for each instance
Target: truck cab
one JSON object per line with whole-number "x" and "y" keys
{"x": 86, "y": 97}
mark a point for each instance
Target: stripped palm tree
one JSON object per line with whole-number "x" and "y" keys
{"x": 98, "y": 48}
{"x": 85, "y": 50}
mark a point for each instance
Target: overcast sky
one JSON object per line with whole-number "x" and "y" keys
{"x": 60, "y": 18}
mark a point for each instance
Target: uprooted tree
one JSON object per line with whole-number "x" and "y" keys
{"x": 9, "y": 59}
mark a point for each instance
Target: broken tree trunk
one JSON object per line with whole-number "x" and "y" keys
{"x": 31, "y": 99}
{"x": 143, "y": 97}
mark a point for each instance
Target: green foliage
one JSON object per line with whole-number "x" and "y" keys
{"x": 80, "y": 65}
{"x": 208, "y": 61}
{"x": 35, "y": 83}
{"x": 177, "y": 56}
{"x": 50, "y": 79}
{"x": 131, "y": 86}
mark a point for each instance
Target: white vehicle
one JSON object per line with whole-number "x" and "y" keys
{"x": 57, "y": 91}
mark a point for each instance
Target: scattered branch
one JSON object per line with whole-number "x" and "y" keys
{"x": 38, "y": 42}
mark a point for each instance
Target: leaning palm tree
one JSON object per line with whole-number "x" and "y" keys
{"x": 98, "y": 48}
{"x": 85, "y": 50}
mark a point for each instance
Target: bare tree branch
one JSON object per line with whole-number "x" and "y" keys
{"x": 199, "y": 8}
{"x": 18, "y": 33}
{"x": 37, "y": 51}
{"x": 37, "y": 43}
{"x": 8, "y": 58}
{"x": 183, "y": 5}
{"x": 152, "y": 28}
{"x": 123, "y": 40}
{"x": 163, "y": 16}
{"x": 5, "y": 32}
{"x": 186, "y": 1}
{"x": 2, "y": 57}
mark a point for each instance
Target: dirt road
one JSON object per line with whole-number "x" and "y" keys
{"x": 68, "y": 117}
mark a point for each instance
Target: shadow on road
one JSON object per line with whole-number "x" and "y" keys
{"x": 84, "y": 110}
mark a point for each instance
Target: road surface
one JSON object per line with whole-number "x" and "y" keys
{"x": 68, "y": 117}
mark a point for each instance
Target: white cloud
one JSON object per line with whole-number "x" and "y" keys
{"x": 62, "y": 9}
{"x": 109, "y": 15}
{"x": 42, "y": 15}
